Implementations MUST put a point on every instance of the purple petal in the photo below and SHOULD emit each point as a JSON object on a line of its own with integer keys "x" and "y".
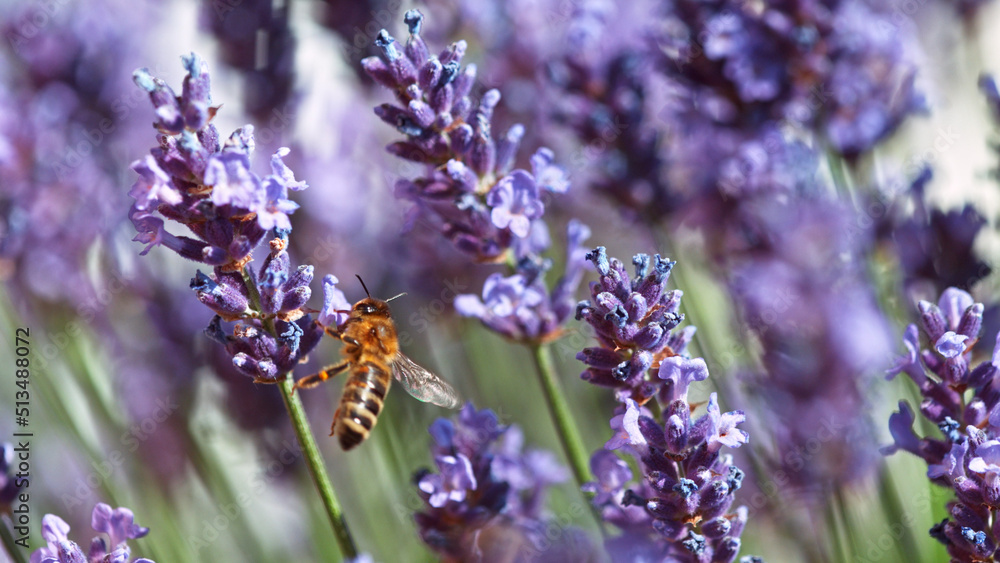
{"x": 724, "y": 429}
{"x": 953, "y": 303}
{"x": 901, "y": 428}
{"x": 54, "y": 528}
{"x": 952, "y": 465}
{"x": 119, "y": 524}
{"x": 469, "y": 305}
{"x": 336, "y": 308}
{"x": 951, "y": 344}
{"x": 682, "y": 372}
{"x": 153, "y": 186}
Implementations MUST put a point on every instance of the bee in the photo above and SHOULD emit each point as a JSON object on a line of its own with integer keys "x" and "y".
{"x": 372, "y": 353}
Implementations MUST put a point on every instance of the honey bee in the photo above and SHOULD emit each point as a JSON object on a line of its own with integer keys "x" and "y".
{"x": 372, "y": 352}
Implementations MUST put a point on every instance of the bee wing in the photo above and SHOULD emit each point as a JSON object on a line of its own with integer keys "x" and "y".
{"x": 422, "y": 384}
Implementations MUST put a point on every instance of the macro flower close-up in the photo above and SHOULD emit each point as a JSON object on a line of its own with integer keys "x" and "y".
{"x": 704, "y": 281}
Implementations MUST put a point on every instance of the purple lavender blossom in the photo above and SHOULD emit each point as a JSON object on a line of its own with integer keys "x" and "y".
{"x": 520, "y": 306}
{"x": 228, "y": 207}
{"x": 842, "y": 70}
{"x": 283, "y": 293}
{"x": 486, "y": 500}
{"x": 603, "y": 86}
{"x": 962, "y": 402}
{"x": 681, "y": 509}
{"x": 634, "y": 320}
{"x": 117, "y": 524}
{"x": 936, "y": 248}
{"x": 801, "y": 290}
{"x": 470, "y": 192}
{"x": 719, "y": 79}
{"x": 208, "y": 187}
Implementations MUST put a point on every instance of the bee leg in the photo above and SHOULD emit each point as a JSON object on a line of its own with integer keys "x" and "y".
{"x": 331, "y": 331}
{"x": 326, "y": 373}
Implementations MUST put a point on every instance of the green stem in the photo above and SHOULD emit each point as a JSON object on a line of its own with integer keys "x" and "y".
{"x": 8, "y": 542}
{"x": 317, "y": 469}
{"x": 569, "y": 436}
{"x": 300, "y": 424}
{"x": 561, "y": 417}
{"x": 895, "y": 512}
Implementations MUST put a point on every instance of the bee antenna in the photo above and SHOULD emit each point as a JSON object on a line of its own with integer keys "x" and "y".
{"x": 363, "y": 285}
{"x": 394, "y": 297}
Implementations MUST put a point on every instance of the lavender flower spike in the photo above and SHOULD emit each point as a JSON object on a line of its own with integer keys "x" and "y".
{"x": 469, "y": 190}
{"x": 962, "y": 402}
{"x": 634, "y": 318}
{"x": 117, "y": 524}
{"x": 682, "y": 508}
{"x": 485, "y": 501}
{"x": 520, "y": 306}
{"x": 208, "y": 187}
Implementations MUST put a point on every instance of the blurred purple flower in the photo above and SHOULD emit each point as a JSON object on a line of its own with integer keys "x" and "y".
{"x": 843, "y": 70}
{"x": 486, "y": 499}
{"x": 520, "y": 306}
{"x": 936, "y": 248}
{"x": 256, "y": 39}
{"x": 63, "y": 136}
{"x": 117, "y": 523}
{"x": 803, "y": 294}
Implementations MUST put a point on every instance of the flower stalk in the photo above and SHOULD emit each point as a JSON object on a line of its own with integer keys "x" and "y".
{"x": 303, "y": 433}
{"x": 569, "y": 435}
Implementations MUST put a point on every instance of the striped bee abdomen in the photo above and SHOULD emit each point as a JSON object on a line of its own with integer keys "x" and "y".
{"x": 363, "y": 397}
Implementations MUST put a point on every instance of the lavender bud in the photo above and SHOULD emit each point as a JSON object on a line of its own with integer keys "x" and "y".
{"x": 715, "y": 529}
{"x": 695, "y": 544}
{"x": 387, "y": 44}
{"x": 224, "y": 299}
{"x": 972, "y": 322}
{"x": 422, "y": 113}
{"x": 931, "y": 320}
{"x": 727, "y": 551}
{"x": 507, "y": 149}
{"x": 461, "y": 139}
{"x": 430, "y": 74}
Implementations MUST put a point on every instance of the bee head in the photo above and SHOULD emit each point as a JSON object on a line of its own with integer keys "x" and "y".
{"x": 371, "y": 307}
